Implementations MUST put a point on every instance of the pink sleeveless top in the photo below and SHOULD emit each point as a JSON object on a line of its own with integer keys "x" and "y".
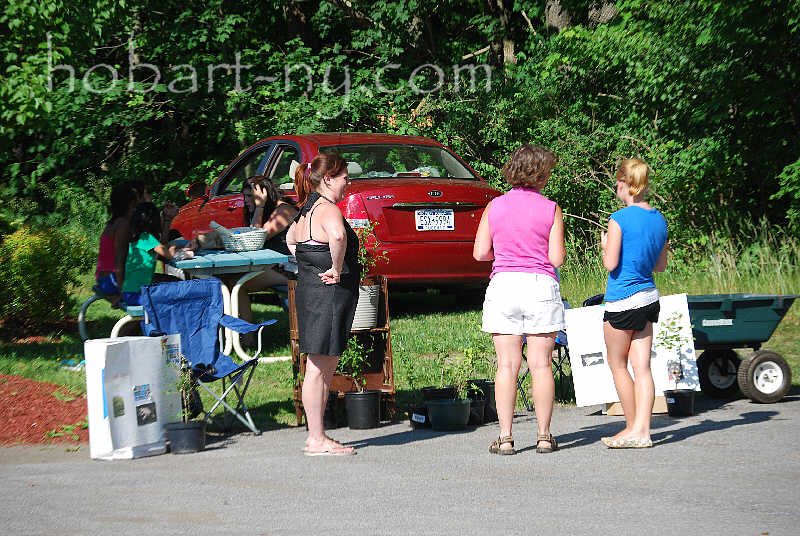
{"x": 520, "y": 222}
{"x": 105, "y": 255}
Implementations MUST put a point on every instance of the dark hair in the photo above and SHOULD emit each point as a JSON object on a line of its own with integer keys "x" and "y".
{"x": 138, "y": 187}
{"x": 122, "y": 195}
{"x": 146, "y": 219}
{"x": 307, "y": 178}
{"x": 529, "y": 166}
{"x": 273, "y": 196}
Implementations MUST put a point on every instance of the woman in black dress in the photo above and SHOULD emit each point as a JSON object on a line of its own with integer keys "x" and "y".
{"x": 327, "y": 286}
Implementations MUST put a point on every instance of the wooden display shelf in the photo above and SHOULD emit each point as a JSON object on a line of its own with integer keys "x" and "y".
{"x": 380, "y": 374}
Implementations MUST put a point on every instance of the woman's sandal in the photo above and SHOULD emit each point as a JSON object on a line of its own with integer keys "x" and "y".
{"x": 494, "y": 448}
{"x": 550, "y": 439}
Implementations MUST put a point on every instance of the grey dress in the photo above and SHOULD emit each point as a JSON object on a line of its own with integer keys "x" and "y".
{"x": 325, "y": 312}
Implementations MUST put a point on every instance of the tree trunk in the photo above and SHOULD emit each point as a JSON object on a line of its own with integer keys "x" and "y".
{"x": 502, "y": 46}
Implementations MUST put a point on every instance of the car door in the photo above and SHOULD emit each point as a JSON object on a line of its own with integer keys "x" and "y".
{"x": 226, "y": 204}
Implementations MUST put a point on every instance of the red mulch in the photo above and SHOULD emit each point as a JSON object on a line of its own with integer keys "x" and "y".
{"x": 29, "y": 410}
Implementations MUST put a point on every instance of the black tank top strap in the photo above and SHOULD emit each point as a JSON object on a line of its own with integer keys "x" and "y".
{"x": 309, "y": 208}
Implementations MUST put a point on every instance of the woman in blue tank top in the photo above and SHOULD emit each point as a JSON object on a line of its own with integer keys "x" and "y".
{"x": 634, "y": 247}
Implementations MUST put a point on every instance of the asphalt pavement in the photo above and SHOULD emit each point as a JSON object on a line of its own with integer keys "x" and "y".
{"x": 731, "y": 469}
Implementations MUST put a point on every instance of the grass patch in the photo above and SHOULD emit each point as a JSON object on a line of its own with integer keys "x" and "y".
{"x": 425, "y": 324}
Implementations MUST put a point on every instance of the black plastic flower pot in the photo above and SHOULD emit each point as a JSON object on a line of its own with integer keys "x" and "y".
{"x": 476, "y": 411}
{"x": 447, "y": 415}
{"x": 490, "y": 412}
{"x": 330, "y": 418}
{"x": 186, "y": 437}
{"x": 680, "y": 402}
{"x": 363, "y": 409}
{"x": 438, "y": 393}
{"x": 418, "y": 416}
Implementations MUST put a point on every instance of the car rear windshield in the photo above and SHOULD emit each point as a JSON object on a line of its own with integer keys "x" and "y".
{"x": 375, "y": 160}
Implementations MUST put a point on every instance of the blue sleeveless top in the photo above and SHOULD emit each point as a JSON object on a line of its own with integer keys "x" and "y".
{"x": 644, "y": 233}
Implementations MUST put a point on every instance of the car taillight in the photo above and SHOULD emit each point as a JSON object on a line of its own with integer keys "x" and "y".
{"x": 355, "y": 212}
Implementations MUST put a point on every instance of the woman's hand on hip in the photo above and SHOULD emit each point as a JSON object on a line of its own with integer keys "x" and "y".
{"x": 329, "y": 277}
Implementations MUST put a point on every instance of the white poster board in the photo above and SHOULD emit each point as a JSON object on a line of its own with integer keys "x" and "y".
{"x": 131, "y": 394}
{"x": 588, "y": 360}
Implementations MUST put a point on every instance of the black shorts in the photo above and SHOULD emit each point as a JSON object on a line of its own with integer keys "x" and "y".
{"x": 633, "y": 319}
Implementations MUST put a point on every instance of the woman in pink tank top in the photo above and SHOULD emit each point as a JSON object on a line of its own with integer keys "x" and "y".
{"x": 523, "y": 233}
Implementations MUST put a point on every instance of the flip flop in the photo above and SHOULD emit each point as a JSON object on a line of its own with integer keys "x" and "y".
{"x": 335, "y": 451}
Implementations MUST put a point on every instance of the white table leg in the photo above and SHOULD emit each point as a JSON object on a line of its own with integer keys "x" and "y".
{"x": 237, "y": 345}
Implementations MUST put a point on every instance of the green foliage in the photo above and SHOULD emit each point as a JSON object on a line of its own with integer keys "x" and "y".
{"x": 705, "y": 91}
{"x": 354, "y": 361}
{"x": 370, "y": 252}
{"x": 37, "y": 271}
{"x": 457, "y": 370}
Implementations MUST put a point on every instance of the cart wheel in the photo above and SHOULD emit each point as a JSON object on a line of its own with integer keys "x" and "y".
{"x": 717, "y": 369}
{"x": 765, "y": 377}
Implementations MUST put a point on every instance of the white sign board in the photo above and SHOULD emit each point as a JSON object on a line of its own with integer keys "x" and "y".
{"x": 131, "y": 394}
{"x": 587, "y": 352}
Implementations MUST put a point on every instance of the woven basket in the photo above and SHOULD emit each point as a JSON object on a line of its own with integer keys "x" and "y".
{"x": 244, "y": 239}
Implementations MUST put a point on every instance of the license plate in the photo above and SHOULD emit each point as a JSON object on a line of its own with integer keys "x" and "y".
{"x": 435, "y": 219}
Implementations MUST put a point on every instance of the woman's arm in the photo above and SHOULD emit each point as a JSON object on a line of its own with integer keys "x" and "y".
{"x": 291, "y": 239}
{"x": 332, "y": 223}
{"x": 121, "y": 240}
{"x": 280, "y": 219}
{"x": 482, "y": 250}
{"x": 661, "y": 263}
{"x": 556, "y": 252}
{"x": 611, "y": 244}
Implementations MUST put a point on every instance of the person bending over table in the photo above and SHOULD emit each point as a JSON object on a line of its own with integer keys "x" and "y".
{"x": 634, "y": 247}
{"x": 326, "y": 248}
{"x": 523, "y": 233}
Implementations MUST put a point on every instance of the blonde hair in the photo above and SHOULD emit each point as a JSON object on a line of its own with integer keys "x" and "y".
{"x": 635, "y": 172}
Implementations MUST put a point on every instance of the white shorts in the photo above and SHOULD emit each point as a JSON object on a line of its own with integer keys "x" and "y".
{"x": 519, "y": 303}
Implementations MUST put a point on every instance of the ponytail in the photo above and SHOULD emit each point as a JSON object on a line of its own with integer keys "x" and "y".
{"x": 308, "y": 176}
{"x": 302, "y": 182}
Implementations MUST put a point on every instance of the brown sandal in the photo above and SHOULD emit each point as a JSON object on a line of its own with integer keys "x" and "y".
{"x": 550, "y": 439}
{"x": 494, "y": 448}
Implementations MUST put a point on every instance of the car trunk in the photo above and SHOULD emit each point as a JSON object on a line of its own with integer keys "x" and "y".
{"x": 425, "y": 210}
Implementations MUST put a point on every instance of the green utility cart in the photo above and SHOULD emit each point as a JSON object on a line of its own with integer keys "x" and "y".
{"x": 722, "y": 322}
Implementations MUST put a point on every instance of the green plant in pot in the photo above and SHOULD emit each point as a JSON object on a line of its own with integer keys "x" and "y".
{"x": 680, "y": 402}
{"x": 370, "y": 253}
{"x": 417, "y": 410}
{"x": 189, "y": 435}
{"x": 363, "y": 406}
{"x": 456, "y": 371}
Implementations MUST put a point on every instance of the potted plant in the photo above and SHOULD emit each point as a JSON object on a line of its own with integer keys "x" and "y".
{"x": 370, "y": 252}
{"x": 189, "y": 435}
{"x": 456, "y": 373}
{"x": 363, "y": 405}
{"x": 417, "y": 410}
{"x": 680, "y": 402}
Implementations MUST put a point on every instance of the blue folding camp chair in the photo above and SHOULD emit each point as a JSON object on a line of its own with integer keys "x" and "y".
{"x": 194, "y": 309}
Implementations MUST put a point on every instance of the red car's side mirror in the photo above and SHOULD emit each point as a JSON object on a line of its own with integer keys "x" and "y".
{"x": 197, "y": 190}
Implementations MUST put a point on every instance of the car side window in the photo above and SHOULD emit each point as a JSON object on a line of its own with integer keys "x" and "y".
{"x": 282, "y": 164}
{"x": 246, "y": 167}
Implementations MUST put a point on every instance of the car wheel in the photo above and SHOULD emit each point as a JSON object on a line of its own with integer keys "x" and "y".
{"x": 718, "y": 373}
{"x": 765, "y": 377}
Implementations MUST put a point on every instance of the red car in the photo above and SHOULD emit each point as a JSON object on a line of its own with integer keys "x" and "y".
{"x": 426, "y": 202}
